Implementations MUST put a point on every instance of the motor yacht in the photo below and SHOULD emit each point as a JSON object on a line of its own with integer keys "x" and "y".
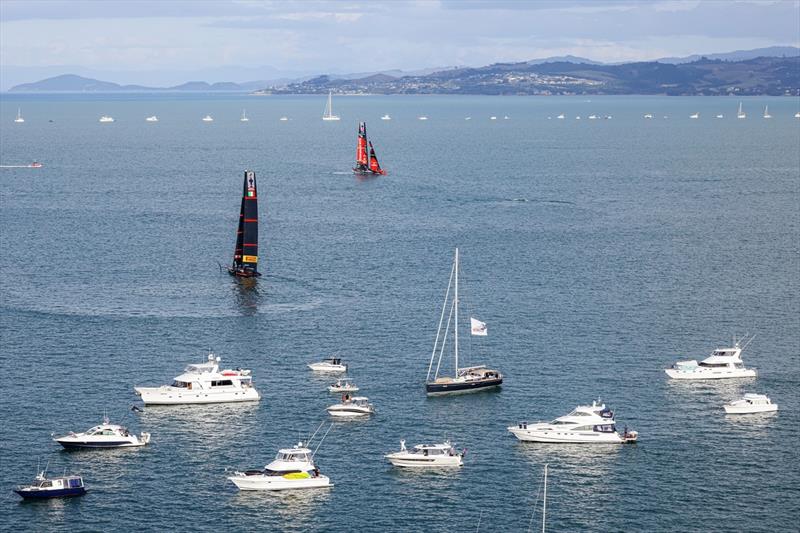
{"x": 422, "y": 117}
{"x": 283, "y": 119}
{"x": 57, "y": 487}
{"x": 592, "y": 117}
{"x": 561, "y": 116}
{"x": 586, "y": 424}
{"x": 720, "y": 115}
{"x": 694, "y": 115}
{"x": 351, "y": 407}
{"x": 648, "y": 115}
{"x": 721, "y": 364}
{"x": 208, "y": 118}
{"x": 293, "y": 468}
{"x": 203, "y": 383}
{"x": 106, "y": 118}
{"x": 331, "y": 364}
{"x": 343, "y": 385}
{"x": 749, "y": 404}
{"x": 105, "y": 435}
{"x": 152, "y": 118}
{"x": 386, "y": 117}
{"x": 442, "y": 455}
{"x": 493, "y": 117}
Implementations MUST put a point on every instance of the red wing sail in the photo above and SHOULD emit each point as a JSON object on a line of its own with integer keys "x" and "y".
{"x": 374, "y": 166}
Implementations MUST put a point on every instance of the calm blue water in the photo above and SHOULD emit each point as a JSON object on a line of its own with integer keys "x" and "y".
{"x": 598, "y": 252}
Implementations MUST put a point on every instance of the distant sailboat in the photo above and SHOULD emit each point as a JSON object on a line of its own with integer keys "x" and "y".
{"x": 740, "y": 113}
{"x": 366, "y": 160}
{"x": 19, "y": 119}
{"x": 766, "y": 112}
{"x": 245, "y": 255}
{"x": 244, "y": 117}
{"x": 328, "y": 115}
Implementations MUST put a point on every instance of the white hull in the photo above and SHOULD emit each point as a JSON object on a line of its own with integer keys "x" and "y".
{"x": 331, "y": 118}
{"x": 710, "y": 373}
{"x": 343, "y": 389}
{"x": 341, "y": 413}
{"x": 332, "y": 369}
{"x": 563, "y": 437}
{"x": 104, "y": 442}
{"x": 178, "y": 396}
{"x": 424, "y": 462}
{"x": 750, "y": 409}
{"x": 259, "y": 482}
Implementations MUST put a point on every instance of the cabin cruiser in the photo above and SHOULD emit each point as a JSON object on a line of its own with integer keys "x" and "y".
{"x": 105, "y": 435}
{"x": 586, "y": 424}
{"x": 208, "y": 118}
{"x": 751, "y": 403}
{"x": 694, "y": 115}
{"x": 722, "y": 363}
{"x": 648, "y": 115}
{"x": 203, "y": 383}
{"x": 422, "y": 117}
{"x": 351, "y": 407}
{"x": 106, "y": 118}
{"x": 331, "y": 364}
{"x": 386, "y": 117}
{"x": 427, "y": 456}
{"x": 293, "y": 468}
{"x": 57, "y": 487}
{"x": 343, "y": 385}
{"x": 152, "y": 118}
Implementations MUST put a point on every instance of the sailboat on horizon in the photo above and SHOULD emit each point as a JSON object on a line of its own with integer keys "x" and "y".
{"x": 328, "y": 115}
{"x": 469, "y": 379}
{"x": 245, "y": 255}
{"x": 766, "y": 112}
{"x": 740, "y": 113}
{"x": 19, "y": 119}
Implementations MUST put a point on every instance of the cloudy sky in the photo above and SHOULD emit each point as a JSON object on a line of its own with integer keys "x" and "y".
{"x": 170, "y": 41}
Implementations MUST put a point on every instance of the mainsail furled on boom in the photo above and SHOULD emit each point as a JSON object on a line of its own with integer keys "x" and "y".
{"x": 245, "y": 255}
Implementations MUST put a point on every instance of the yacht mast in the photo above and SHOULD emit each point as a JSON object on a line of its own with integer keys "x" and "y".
{"x": 544, "y": 499}
{"x": 455, "y": 303}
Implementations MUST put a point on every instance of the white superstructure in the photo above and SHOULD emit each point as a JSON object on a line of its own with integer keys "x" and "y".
{"x": 587, "y": 424}
{"x": 293, "y": 468}
{"x": 442, "y": 455}
{"x": 722, "y": 363}
{"x": 343, "y": 385}
{"x": 351, "y": 407}
{"x": 105, "y": 435}
{"x": 203, "y": 383}
{"x": 751, "y": 403}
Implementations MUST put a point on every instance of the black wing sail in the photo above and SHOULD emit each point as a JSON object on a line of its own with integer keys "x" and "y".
{"x": 245, "y": 256}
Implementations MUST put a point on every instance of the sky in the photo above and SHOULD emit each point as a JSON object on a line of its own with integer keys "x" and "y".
{"x": 166, "y": 42}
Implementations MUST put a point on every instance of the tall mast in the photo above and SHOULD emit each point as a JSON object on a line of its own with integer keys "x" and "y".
{"x": 544, "y": 499}
{"x": 455, "y": 303}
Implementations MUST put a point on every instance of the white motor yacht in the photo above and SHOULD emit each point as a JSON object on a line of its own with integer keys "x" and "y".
{"x": 592, "y": 117}
{"x": 561, "y": 116}
{"x": 586, "y": 424}
{"x": 293, "y": 468}
{"x": 720, "y": 115}
{"x": 386, "y": 117}
{"x": 427, "y": 456}
{"x": 422, "y": 117}
{"x": 152, "y": 118}
{"x": 351, "y": 407}
{"x": 722, "y": 363}
{"x": 331, "y": 364}
{"x": 694, "y": 115}
{"x": 203, "y": 383}
{"x": 648, "y": 115}
{"x": 106, "y": 118}
{"x": 343, "y": 385}
{"x": 751, "y": 403}
{"x": 106, "y": 435}
{"x": 283, "y": 119}
{"x": 208, "y": 118}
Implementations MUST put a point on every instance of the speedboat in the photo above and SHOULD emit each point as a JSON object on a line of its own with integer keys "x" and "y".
{"x": 749, "y": 404}
{"x": 203, "y": 383}
{"x": 152, "y": 118}
{"x": 423, "y": 117}
{"x": 283, "y": 119}
{"x": 586, "y": 424}
{"x": 57, "y": 487}
{"x": 427, "y": 456}
{"x": 386, "y": 117}
{"x": 722, "y": 363}
{"x": 106, "y": 118}
{"x": 343, "y": 385}
{"x": 720, "y": 116}
{"x": 208, "y": 118}
{"x": 293, "y": 468}
{"x": 331, "y": 364}
{"x": 35, "y": 164}
{"x": 694, "y": 115}
{"x": 105, "y": 435}
{"x": 351, "y": 407}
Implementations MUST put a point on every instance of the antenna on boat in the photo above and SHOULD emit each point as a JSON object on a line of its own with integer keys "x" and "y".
{"x": 322, "y": 440}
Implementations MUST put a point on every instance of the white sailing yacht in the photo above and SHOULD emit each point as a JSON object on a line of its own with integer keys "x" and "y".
{"x": 244, "y": 117}
{"x": 328, "y": 115}
{"x": 740, "y": 113}
{"x": 19, "y": 118}
{"x": 470, "y": 379}
{"x": 766, "y": 112}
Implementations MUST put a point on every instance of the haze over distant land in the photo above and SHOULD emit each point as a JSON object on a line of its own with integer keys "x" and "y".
{"x": 166, "y": 43}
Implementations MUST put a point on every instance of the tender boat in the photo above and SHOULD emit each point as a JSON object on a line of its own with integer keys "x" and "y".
{"x": 386, "y": 117}
{"x": 57, "y": 487}
{"x": 351, "y": 407}
{"x": 328, "y": 114}
{"x": 751, "y": 403}
{"x": 19, "y": 119}
{"x": 469, "y": 379}
{"x": 343, "y": 385}
{"x": 721, "y": 364}
{"x": 152, "y": 118}
{"x": 208, "y": 118}
{"x": 442, "y": 455}
{"x": 293, "y": 468}
{"x": 366, "y": 161}
{"x": 586, "y": 424}
{"x": 331, "y": 364}
{"x": 106, "y": 435}
{"x": 203, "y": 383}
{"x": 245, "y": 253}
{"x": 106, "y": 118}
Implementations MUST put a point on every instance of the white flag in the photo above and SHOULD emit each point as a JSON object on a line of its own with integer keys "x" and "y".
{"x": 478, "y": 327}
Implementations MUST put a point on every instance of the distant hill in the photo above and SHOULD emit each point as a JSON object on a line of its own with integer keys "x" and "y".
{"x": 738, "y": 55}
{"x": 73, "y": 83}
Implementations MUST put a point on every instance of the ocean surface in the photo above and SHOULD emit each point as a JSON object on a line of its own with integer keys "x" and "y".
{"x": 598, "y": 252}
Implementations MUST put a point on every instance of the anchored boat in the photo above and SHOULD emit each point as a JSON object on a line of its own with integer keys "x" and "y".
{"x": 57, "y": 487}
{"x": 721, "y": 364}
{"x": 427, "y": 456}
{"x": 366, "y": 160}
{"x": 105, "y": 435}
{"x": 328, "y": 114}
{"x": 750, "y": 404}
{"x": 245, "y": 255}
{"x": 586, "y": 424}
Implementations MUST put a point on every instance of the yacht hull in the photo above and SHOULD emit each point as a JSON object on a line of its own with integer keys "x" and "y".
{"x": 348, "y": 413}
{"x": 405, "y": 461}
{"x": 77, "y": 444}
{"x": 750, "y": 409}
{"x": 58, "y": 493}
{"x": 560, "y": 437}
{"x": 710, "y": 374}
{"x": 178, "y": 396}
{"x": 461, "y": 387}
{"x": 274, "y": 483}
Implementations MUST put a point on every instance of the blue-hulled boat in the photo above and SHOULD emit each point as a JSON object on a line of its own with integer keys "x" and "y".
{"x": 58, "y": 487}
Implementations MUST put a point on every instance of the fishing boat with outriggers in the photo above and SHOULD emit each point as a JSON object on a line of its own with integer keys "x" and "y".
{"x": 366, "y": 160}
{"x": 469, "y": 379}
{"x": 245, "y": 255}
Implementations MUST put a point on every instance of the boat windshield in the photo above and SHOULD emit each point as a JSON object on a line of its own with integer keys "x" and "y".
{"x": 180, "y": 384}
{"x": 292, "y": 457}
{"x": 579, "y": 413}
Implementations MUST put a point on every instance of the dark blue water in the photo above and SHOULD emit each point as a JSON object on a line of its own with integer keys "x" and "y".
{"x": 598, "y": 252}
